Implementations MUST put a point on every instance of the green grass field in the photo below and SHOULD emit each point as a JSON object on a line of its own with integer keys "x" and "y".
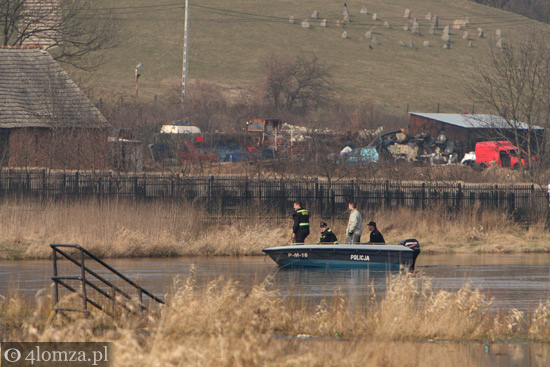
{"x": 228, "y": 38}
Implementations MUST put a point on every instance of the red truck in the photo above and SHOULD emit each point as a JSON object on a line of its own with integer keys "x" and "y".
{"x": 504, "y": 153}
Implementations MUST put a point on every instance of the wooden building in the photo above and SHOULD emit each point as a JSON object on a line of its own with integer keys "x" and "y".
{"x": 470, "y": 129}
{"x": 45, "y": 119}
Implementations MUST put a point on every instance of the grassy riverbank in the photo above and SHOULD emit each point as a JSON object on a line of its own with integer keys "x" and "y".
{"x": 126, "y": 229}
{"x": 223, "y": 325}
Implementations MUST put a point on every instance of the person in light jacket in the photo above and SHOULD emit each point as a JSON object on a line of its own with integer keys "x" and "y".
{"x": 355, "y": 224}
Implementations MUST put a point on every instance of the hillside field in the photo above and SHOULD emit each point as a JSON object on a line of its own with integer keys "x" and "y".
{"x": 229, "y": 38}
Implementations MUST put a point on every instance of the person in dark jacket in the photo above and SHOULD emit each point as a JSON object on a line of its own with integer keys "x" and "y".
{"x": 375, "y": 236}
{"x": 327, "y": 236}
{"x": 300, "y": 229}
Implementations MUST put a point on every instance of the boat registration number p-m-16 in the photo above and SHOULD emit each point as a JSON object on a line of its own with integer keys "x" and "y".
{"x": 297, "y": 254}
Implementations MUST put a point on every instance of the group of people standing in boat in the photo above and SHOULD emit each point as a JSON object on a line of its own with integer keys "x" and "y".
{"x": 300, "y": 229}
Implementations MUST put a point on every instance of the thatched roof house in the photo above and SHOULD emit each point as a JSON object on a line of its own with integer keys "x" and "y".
{"x": 45, "y": 119}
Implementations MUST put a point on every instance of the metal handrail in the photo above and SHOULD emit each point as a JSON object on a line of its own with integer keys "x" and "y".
{"x": 60, "y": 280}
{"x": 68, "y": 257}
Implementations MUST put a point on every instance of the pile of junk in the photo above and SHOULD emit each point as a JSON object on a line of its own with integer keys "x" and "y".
{"x": 420, "y": 149}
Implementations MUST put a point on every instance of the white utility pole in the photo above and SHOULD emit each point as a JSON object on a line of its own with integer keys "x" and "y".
{"x": 185, "y": 52}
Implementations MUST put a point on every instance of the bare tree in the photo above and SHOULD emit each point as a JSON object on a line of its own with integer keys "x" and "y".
{"x": 75, "y": 136}
{"x": 23, "y": 141}
{"x": 70, "y": 29}
{"x": 298, "y": 84}
{"x": 515, "y": 85}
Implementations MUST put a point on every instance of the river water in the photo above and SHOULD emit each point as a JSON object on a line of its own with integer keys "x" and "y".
{"x": 513, "y": 281}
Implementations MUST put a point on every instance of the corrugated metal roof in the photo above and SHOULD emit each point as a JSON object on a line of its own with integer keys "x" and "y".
{"x": 476, "y": 121}
{"x": 36, "y": 92}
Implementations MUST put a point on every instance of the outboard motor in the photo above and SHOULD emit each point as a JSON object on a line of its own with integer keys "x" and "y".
{"x": 413, "y": 245}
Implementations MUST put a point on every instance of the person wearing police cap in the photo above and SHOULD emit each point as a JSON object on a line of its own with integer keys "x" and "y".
{"x": 327, "y": 236}
{"x": 375, "y": 235}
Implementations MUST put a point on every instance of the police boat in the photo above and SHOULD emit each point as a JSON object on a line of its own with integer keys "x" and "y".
{"x": 361, "y": 255}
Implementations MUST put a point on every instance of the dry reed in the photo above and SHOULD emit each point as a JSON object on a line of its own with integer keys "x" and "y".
{"x": 137, "y": 229}
{"x": 224, "y": 325}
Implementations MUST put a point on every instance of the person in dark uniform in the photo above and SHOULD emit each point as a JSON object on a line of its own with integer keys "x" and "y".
{"x": 327, "y": 236}
{"x": 300, "y": 229}
{"x": 375, "y": 235}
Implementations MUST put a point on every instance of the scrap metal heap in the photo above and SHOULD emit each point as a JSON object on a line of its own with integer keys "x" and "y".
{"x": 421, "y": 148}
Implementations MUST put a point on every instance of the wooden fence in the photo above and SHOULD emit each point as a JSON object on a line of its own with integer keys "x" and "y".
{"x": 228, "y": 195}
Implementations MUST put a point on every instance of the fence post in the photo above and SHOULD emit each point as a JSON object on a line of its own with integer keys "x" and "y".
{"x": 246, "y": 191}
{"x": 318, "y": 198}
{"x": 56, "y": 284}
{"x": 28, "y": 183}
{"x": 458, "y": 196}
{"x": 423, "y": 196}
{"x": 387, "y": 195}
{"x": 77, "y": 183}
{"x": 9, "y": 180}
{"x": 332, "y": 205}
{"x": 113, "y": 299}
{"x": 210, "y": 186}
{"x": 533, "y": 210}
{"x": 282, "y": 197}
{"x": 145, "y": 187}
{"x": 172, "y": 187}
{"x": 135, "y": 186}
{"x": 511, "y": 202}
{"x": 83, "y": 278}
{"x": 495, "y": 197}
{"x": 180, "y": 189}
{"x": 259, "y": 191}
{"x": 44, "y": 186}
{"x": 140, "y": 296}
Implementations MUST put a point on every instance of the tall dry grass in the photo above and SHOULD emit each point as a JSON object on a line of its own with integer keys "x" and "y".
{"x": 475, "y": 230}
{"x": 138, "y": 229}
{"x": 126, "y": 229}
{"x": 225, "y": 325}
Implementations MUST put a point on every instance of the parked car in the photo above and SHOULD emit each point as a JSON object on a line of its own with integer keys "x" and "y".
{"x": 180, "y": 127}
{"x": 469, "y": 159}
{"x": 181, "y": 147}
{"x": 361, "y": 155}
{"x": 196, "y": 153}
{"x": 231, "y": 152}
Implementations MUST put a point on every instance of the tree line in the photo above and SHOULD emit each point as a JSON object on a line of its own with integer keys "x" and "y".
{"x": 534, "y": 9}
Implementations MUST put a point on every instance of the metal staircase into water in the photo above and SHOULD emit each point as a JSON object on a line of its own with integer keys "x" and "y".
{"x": 91, "y": 279}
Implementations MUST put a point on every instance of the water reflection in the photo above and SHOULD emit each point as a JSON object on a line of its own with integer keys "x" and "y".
{"x": 514, "y": 281}
{"x": 431, "y": 354}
